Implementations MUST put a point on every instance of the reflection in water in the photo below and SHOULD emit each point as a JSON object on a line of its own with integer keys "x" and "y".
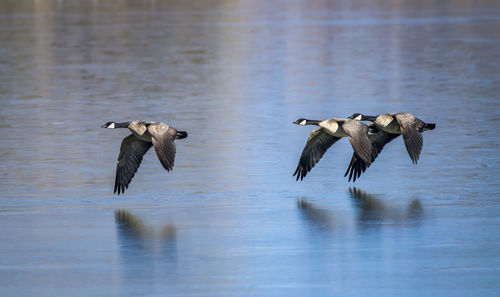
{"x": 146, "y": 254}
{"x": 372, "y": 209}
{"x": 316, "y": 217}
{"x": 132, "y": 231}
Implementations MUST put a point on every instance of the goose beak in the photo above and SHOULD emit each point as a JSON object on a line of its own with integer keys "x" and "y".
{"x": 295, "y": 122}
{"x": 103, "y": 126}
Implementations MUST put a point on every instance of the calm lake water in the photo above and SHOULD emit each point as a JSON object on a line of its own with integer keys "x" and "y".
{"x": 230, "y": 220}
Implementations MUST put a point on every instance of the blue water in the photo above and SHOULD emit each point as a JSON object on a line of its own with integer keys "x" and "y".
{"x": 230, "y": 220}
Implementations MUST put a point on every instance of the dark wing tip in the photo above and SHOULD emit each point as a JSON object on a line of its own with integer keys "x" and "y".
{"x": 356, "y": 167}
{"x": 300, "y": 172}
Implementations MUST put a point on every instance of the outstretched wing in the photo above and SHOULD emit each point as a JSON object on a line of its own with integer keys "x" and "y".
{"x": 163, "y": 140}
{"x": 378, "y": 138}
{"x": 357, "y": 133}
{"x": 411, "y": 128}
{"x": 131, "y": 152}
{"x": 317, "y": 144}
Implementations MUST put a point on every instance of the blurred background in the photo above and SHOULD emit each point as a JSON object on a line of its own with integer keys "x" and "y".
{"x": 230, "y": 220}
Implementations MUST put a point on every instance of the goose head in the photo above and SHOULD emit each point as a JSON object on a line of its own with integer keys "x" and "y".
{"x": 304, "y": 122}
{"x": 357, "y": 117}
{"x": 301, "y": 122}
{"x": 109, "y": 125}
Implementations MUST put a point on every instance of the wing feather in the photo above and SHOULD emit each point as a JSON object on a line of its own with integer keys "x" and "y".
{"x": 163, "y": 141}
{"x": 318, "y": 143}
{"x": 378, "y": 139}
{"x": 131, "y": 152}
{"x": 357, "y": 133}
{"x": 410, "y": 129}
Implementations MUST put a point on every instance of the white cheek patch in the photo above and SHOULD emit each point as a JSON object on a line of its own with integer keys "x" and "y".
{"x": 303, "y": 123}
{"x": 358, "y": 118}
{"x": 112, "y": 126}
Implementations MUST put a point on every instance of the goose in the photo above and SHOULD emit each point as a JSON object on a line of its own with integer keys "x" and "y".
{"x": 133, "y": 147}
{"x": 401, "y": 123}
{"x": 329, "y": 132}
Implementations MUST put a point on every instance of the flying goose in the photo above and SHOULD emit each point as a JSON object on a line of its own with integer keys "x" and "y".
{"x": 329, "y": 132}
{"x": 144, "y": 135}
{"x": 402, "y": 123}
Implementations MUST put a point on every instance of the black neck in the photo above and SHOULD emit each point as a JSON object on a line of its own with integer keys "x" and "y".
{"x": 368, "y": 118}
{"x": 312, "y": 122}
{"x": 122, "y": 125}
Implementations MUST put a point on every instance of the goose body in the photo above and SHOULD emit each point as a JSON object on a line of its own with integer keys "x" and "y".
{"x": 388, "y": 123}
{"x": 133, "y": 147}
{"x": 334, "y": 127}
{"x": 329, "y": 132}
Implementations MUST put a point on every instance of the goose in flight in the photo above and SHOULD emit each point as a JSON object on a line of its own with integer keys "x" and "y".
{"x": 329, "y": 132}
{"x": 386, "y": 127}
{"x": 133, "y": 147}
{"x": 402, "y": 123}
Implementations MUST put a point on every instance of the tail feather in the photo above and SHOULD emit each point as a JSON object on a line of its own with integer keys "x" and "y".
{"x": 429, "y": 126}
{"x": 181, "y": 135}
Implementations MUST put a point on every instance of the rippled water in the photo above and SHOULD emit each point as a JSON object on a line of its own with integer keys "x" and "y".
{"x": 230, "y": 220}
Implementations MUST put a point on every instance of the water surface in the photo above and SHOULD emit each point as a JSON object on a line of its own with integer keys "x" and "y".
{"x": 230, "y": 220}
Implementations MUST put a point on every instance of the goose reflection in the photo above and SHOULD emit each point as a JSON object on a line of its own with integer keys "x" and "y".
{"x": 371, "y": 209}
{"x": 146, "y": 253}
{"x": 316, "y": 217}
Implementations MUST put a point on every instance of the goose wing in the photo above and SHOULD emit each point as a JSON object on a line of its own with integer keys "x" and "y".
{"x": 129, "y": 160}
{"x": 317, "y": 144}
{"x": 378, "y": 139}
{"x": 163, "y": 137}
{"x": 410, "y": 129}
{"x": 357, "y": 133}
